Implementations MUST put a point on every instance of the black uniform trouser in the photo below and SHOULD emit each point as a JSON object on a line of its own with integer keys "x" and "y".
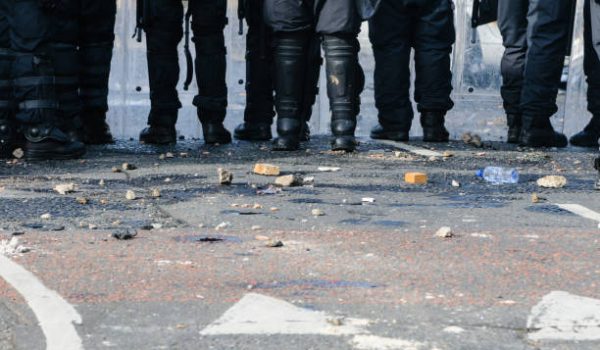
{"x": 394, "y": 30}
{"x": 591, "y": 64}
{"x": 546, "y": 26}
{"x": 164, "y": 32}
{"x": 6, "y": 56}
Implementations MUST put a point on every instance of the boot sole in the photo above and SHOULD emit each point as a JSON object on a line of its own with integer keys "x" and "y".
{"x": 347, "y": 144}
{"x": 286, "y": 145}
{"x": 392, "y": 136}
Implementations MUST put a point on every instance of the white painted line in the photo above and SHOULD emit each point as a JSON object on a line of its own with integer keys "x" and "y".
{"x": 412, "y": 149}
{"x": 581, "y": 211}
{"x": 564, "y": 316}
{"x": 55, "y": 316}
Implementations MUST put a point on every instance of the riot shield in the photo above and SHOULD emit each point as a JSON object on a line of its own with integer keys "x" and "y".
{"x": 576, "y": 114}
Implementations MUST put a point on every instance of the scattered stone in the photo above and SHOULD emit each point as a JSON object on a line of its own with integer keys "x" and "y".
{"x": 257, "y": 206}
{"x": 225, "y": 177}
{"x": 368, "y": 200}
{"x": 274, "y": 209}
{"x": 64, "y": 188}
{"x": 455, "y": 183}
{"x": 101, "y": 183}
{"x": 161, "y": 157}
{"x": 317, "y": 212}
{"x": 472, "y": 139}
{"x": 256, "y": 228}
{"x": 104, "y": 201}
{"x": 46, "y": 216}
{"x": 552, "y": 181}
{"x": 115, "y": 170}
{"x": 18, "y": 153}
{"x": 93, "y": 227}
{"x": 432, "y": 159}
{"x": 168, "y": 179}
{"x": 169, "y": 155}
{"x": 116, "y": 223}
{"x": 157, "y": 225}
{"x": 447, "y": 154}
{"x": 184, "y": 154}
{"x": 155, "y": 193}
{"x": 130, "y": 195}
{"x": 274, "y": 244}
{"x": 328, "y": 169}
{"x": 222, "y": 226}
{"x": 124, "y": 234}
{"x": 415, "y": 178}
{"x": 266, "y": 169}
{"x": 308, "y": 181}
{"x": 11, "y": 246}
{"x": 336, "y": 321}
{"x": 127, "y": 166}
{"x": 288, "y": 181}
{"x": 261, "y": 238}
{"x": 444, "y": 232}
{"x": 82, "y": 200}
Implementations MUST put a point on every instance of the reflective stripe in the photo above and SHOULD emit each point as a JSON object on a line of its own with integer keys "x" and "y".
{"x": 38, "y": 104}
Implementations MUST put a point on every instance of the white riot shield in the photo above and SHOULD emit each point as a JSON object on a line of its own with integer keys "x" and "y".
{"x": 576, "y": 114}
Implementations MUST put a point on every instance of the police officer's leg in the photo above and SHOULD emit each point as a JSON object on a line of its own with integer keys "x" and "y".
{"x": 589, "y": 136}
{"x": 547, "y": 37}
{"x": 209, "y": 18}
{"x": 96, "y": 40}
{"x": 311, "y": 83}
{"x": 390, "y": 32}
{"x": 34, "y": 85}
{"x": 7, "y": 124}
{"x": 339, "y": 24}
{"x": 433, "y": 40}
{"x": 66, "y": 67}
{"x": 512, "y": 21}
{"x": 164, "y": 31}
{"x": 259, "y": 112}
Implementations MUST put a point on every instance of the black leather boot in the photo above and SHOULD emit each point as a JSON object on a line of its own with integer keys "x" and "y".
{"x": 8, "y": 138}
{"x": 393, "y": 125}
{"x": 343, "y": 89}
{"x": 249, "y": 131}
{"x": 290, "y": 68}
{"x": 95, "y": 130}
{"x": 46, "y": 142}
{"x": 589, "y": 136}
{"x": 434, "y": 129}
{"x": 161, "y": 128}
{"x": 537, "y": 131}
{"x": 514, "y": 128}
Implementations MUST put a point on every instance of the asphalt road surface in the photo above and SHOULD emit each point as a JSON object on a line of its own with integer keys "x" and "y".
{"x": 359, "y": 265}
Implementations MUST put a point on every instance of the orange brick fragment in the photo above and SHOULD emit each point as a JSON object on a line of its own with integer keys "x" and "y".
{"x": 266, "y": 169}
{"x": 415, "y": 178}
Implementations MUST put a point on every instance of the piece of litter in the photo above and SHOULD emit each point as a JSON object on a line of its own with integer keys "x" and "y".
{"x": 46, "y": 216}
{"x": 270, "y": 190}
{"x": 308, "y": 181}
{"x": 65, "y": 188}
{"x": 552, "y": 181}
{"x": 266, "y": 169}
{"x": 328, "y": 169}
{"x": 455, "y": 183}
{"x": 222, "y": 226}
{"x": 444, "y": 232}
{"x": 130, "y": 195}
{"x": 18, "y": 153}
{"x": 368, "y": 200}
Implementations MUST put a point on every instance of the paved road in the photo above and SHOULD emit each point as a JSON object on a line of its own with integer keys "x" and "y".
{"x": 515, "y": 275}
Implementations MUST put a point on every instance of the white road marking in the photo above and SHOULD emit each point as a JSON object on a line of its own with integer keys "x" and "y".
{"x": 564, "y": 316}
{"x": 257, "y": 314}
{"x": 412, "y": 149}
{"x": 581, "y": 211}
{"x": 55, "y": 316}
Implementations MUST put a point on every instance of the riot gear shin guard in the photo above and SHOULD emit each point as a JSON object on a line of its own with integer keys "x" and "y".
{"x": 343, "y": 80}
{"x": 211, "y": 100}
{"x": 290, "y": 69}
{"x": 66, "y": 68}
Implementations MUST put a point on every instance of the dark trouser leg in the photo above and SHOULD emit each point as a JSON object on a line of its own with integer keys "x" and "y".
{"x": 164, "y": 31}
{"x": 96, "y": 41}
{"x": 208, "y": 21}
{"x": 7, "y": 123}
{"x": 433, "y": 40}
{"x": 259, "y": 112}
{"x": 512, "y": 21}
{"x": 34, "y": 89}
{"x": 311, "y": 83}
{"x": 290, "y": 68}
{"x": 589, "y": 136}
{"x": 66, "y": 67}
{"x": 341, "y": 62}
{"x": 547, "y": 36}
{"x": 390, "y": 32}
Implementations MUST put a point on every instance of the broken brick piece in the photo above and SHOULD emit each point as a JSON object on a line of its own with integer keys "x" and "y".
{"x": 266, "y": 169}
{"x": 415, "y": 178}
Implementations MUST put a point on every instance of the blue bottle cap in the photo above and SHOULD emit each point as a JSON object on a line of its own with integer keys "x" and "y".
{"x": 479, "y": 173}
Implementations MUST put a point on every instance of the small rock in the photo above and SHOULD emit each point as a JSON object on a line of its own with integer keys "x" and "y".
{"x": 18, "y": 153}
{"x": 155, "y": 193}
{"x": 92, "y": 227}
{"x": 447, "y": 154}
{"x": 288, "y": 181}
{"x": 455, "y": 183}
{"x": 161, "y": 157}
{"x": 46, "y": 216}
{"x": 157, "y": 225}
{"x": 116, "y": 223}
{"x": 225, "y": 177}
{"x": 115, "y": 170}
{"x": 256, "y": 228}
{"x": 101, "y": 183}
{"x": 127, "y": 166}
{"x": 368, "y": 200}
{"x": 274, "y": 209}
{"x": 432, "y": 159}
{"x": 124, "y": 234}
{"x": 257, "y": 206}
{"x": 472, "y": 139}
{"x": 222, "y": 226}
{"x": 552, "y": 181}
{"x": 64, "y": 188}
{"x": 130, "y": 195}
{"x": 169, "y": 155}
{"x": 104, "y": 201}
{"x": 415, "y": 178}
{"x": 82, "y": 200}
{"x": 184, "y": 154}
{"x": 444, "y": 232}
{"x": 336, "y": 321}
{"x": 317, "y": 212}
{"x": 168, "y": 179}
{"x": 266, "y": 169}
{"x": 274, "y": 244}
{"x": 308, "y": 181}
{"x": 328, "y": 169}
{"x": 261, "y": 238}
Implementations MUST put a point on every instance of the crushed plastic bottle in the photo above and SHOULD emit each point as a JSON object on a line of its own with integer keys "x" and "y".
{"x": 498, "y": 175}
